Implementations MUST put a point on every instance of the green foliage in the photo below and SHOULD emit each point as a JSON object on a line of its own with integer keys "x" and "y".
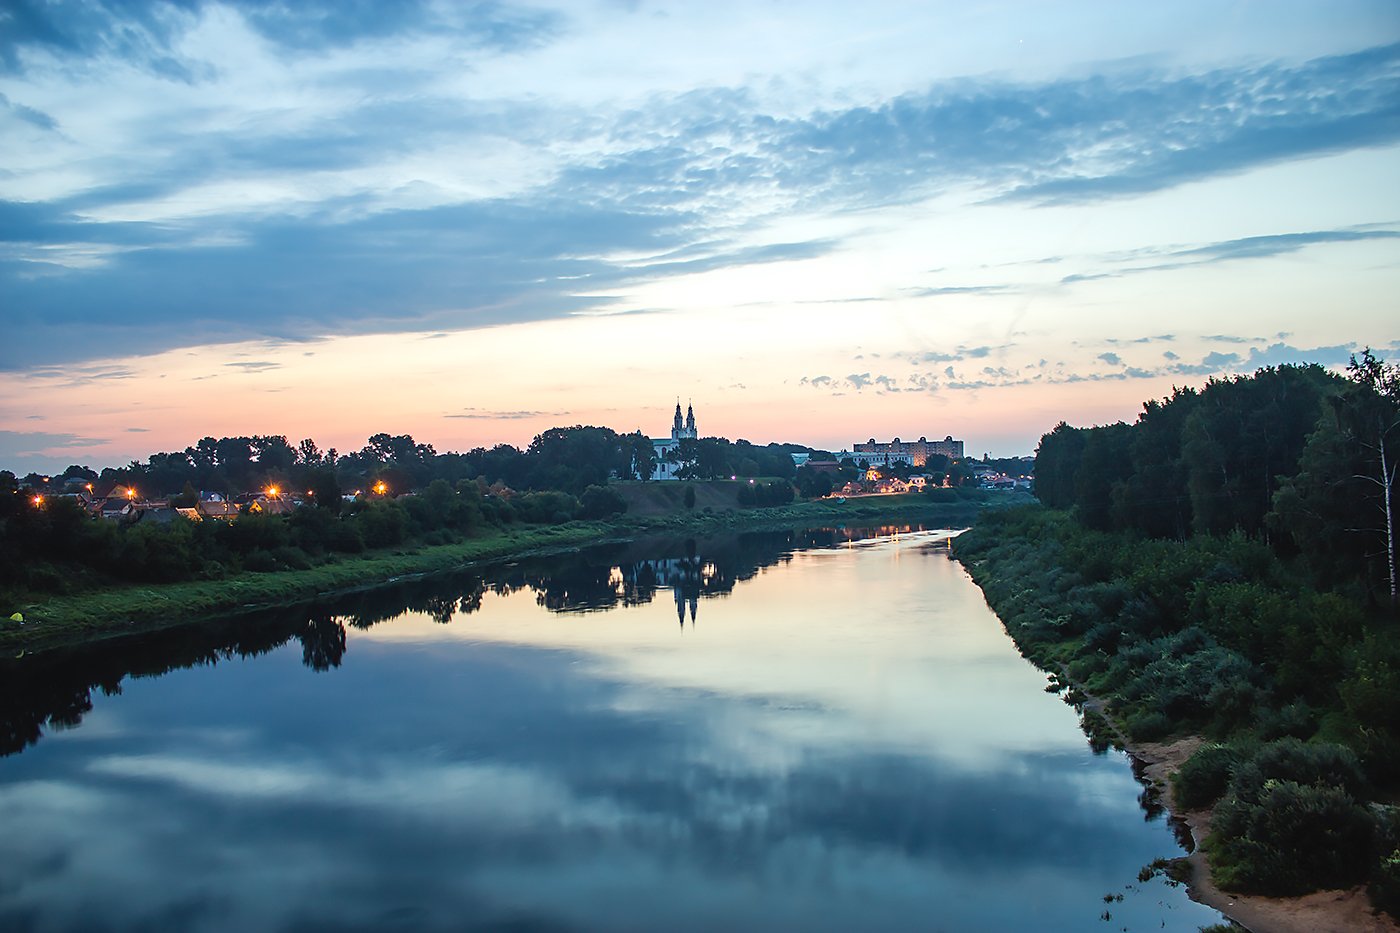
{"x": 601, "y": 502}
{"x": 1292, "y": 839}
{"x": 1314, "y": 764}
{"x": 1206, "y": 775}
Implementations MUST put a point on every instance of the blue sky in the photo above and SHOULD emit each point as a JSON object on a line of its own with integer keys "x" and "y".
{"x": 820, "y": 222}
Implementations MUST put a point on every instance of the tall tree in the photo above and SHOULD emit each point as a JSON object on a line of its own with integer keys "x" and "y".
{"x": 1056, "y": 461}
{"x": 1341, "y": 505}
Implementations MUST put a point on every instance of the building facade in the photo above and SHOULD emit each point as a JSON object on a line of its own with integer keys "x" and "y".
{"x": 914, "y": 453}
{"x": 664, "y": 466}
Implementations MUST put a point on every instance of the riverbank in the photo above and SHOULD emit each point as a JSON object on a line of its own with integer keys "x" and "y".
{"x": 1346, "y": 911}
{"x": 67, "y": 620}
{"x": 1116, "y": 624}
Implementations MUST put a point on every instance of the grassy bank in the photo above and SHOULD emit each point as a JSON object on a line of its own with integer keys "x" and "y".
{"x": 120, "y": 610}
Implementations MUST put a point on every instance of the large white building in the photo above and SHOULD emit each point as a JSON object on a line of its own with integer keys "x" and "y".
{"x": 664, "y": 448}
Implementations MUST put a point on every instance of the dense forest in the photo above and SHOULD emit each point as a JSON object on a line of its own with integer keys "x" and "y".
{"x": 1225, "y": 566}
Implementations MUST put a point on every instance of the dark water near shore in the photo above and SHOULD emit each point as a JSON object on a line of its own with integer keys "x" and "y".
{"x": 818, "y": 731}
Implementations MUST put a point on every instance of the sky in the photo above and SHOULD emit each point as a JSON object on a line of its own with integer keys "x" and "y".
{"x": 818, "y": 222}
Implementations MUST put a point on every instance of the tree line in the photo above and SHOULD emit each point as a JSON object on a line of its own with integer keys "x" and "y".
{"x": 1299, "y": 456}
{"x": 1224, "y": 567}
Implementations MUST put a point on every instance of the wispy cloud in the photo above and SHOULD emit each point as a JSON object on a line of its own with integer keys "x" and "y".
{"x": 504, "y": 415}
{"x": 20, "y": 443}
{"x": 699, "y": 180}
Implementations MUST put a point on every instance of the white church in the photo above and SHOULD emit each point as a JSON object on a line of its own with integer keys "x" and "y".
{"x": 664, "y": 447}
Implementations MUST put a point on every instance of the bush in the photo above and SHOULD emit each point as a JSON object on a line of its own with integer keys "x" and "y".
{"x": 1296, "y": 839}
{"x": 1149, "y": 727}
{"x": 1297, "y": 720}
{"x": 1316, "y": 765}
{"x": 601, "y": 502}
{"x": 1205, "y": 776}
{"x": 260, "y": 561}
{"x": 293, "y": 557}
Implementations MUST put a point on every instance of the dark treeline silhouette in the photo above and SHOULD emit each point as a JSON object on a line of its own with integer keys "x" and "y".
{"x": 352, "y": 502}
{"x": 1225, "y": 566}
{"x": 567, "y": 459}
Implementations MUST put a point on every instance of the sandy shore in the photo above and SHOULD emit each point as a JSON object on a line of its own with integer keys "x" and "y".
{"x": 1323, "y": 912}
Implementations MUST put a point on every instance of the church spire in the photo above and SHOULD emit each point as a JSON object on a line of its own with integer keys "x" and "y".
{"x": 677, "y": 426}
{"x": 689, "y": 419}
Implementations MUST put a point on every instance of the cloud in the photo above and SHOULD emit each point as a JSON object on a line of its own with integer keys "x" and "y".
{"x": 1279, "y": 354}
{"x": 28, "y": 114}
{"x": 688, "y": 178}
{"x": 1256, "y": 247}
{"x": 20, "y": 443}
{"x": 958, "y": 290}
{"x": 504, "y": 415}
{"x": 255, "y": 367}
{"x": 962, "y": 353}
{"x": 1110, "y": 358}
{"x": 147, "y": 35}
{"x": 859, "y": 380}
{"x": 1216, "y": 360}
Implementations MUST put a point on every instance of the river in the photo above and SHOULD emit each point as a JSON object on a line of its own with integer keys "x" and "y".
{"x": 826, "y": 730}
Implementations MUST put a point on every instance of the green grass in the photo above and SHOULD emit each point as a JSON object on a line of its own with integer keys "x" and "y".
{"x": 72, "y": 619}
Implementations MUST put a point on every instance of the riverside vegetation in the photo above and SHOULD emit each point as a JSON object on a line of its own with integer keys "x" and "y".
{"x": 1225, "y": 567}
{"x": 73, "y": 578}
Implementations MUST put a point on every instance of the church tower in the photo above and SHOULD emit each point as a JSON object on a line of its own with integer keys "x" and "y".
{"x": 677, "y": 428}
{"x": 689, "y": 420}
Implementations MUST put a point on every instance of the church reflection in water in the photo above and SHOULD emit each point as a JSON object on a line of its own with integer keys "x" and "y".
{"x": 55, "y": 689}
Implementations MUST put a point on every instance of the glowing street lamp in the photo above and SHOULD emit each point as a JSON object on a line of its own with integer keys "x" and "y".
{"x": 272, "y": 491}
{"x": 379, "y": 488}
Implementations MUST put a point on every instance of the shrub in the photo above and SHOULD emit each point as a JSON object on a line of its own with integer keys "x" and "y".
{"x": 293, "y": 557}
{"x": 1385, "y": 885}
{"x": 601, "y": 502}
{"x": 1296, "y": 839}
{"x": 1297, "y": 720}
{"x": 1150, "y": 726}
{"x": 1317, "y": 764}
{"x": 1205, "y": 776}
{"x": 260, "y": 561}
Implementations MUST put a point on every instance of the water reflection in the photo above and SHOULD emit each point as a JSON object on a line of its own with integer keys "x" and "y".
{"x": 55, "y": 689}
{"x": 846, "y": 742}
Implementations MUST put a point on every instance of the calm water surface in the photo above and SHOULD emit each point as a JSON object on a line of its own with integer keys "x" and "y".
{"x": 764, "y": 732}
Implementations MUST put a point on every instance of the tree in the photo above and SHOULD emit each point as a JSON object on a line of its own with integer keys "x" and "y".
{"x": 1056, "y": 461}
{"x": 1340, "y": 506}
{"x": 690, "y": 497}
{"x": 308, "y": 454}
{"x": 325, "y": 491}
